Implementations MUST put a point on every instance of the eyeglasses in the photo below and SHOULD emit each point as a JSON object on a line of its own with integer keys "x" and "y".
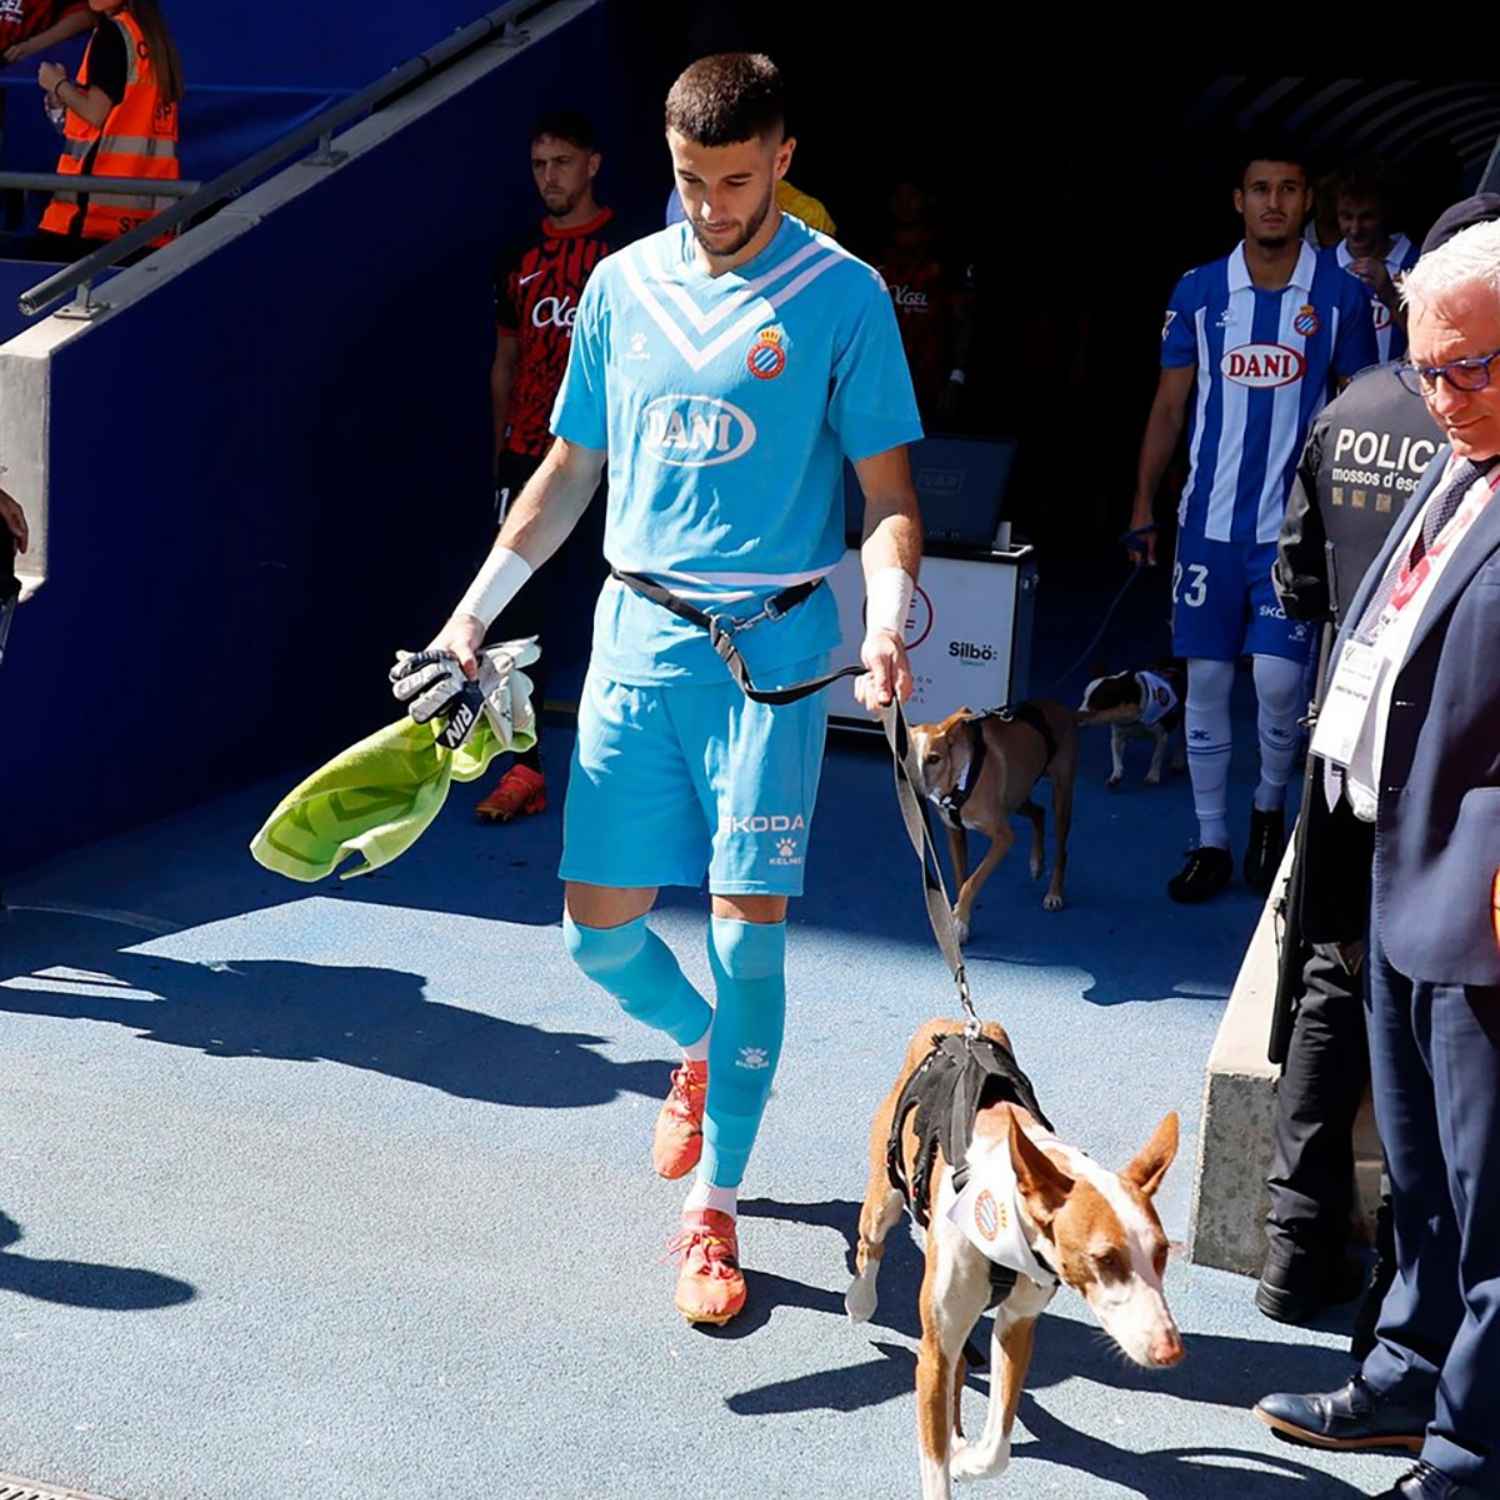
{"x": 1463, "y": 374}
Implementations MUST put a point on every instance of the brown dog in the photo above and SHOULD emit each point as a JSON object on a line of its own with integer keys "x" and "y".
{"x": 1034, "y": 1202}
{"x": 1012, "y": 754}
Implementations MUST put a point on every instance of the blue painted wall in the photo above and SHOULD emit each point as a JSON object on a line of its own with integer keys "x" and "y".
{"x": 274, "y": 472}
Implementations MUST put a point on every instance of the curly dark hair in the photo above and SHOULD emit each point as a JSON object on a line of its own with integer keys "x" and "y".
{"x": 728, "y": 98}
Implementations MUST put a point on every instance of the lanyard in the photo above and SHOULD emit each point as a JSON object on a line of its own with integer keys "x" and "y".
{"x": 1410, "y": 580}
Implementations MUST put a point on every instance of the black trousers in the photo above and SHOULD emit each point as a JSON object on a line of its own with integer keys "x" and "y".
{"x": 1327, "y": 1067}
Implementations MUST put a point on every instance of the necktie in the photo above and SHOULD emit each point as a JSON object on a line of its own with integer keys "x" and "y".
{"x": 1443, "y": 507}
{"x": 1440, "y": 511}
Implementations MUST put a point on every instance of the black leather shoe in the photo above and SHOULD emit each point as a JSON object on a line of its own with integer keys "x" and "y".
{"x": 1207, "y": 871}
{"x": 1267, "y": 844}
{"x": 1351, "y": 1417}
{"x": 1426, "y": 1483}
{"x": 1297, "y": 1284}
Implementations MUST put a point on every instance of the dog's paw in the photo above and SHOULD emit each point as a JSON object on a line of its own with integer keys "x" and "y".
{"x": 1153, "y": 778}
{"x": 1114, "y": 782}
{"x": 975, "y": 1461}
{"x": 1052, "y": 902}
{"x": 859, "y": 1300}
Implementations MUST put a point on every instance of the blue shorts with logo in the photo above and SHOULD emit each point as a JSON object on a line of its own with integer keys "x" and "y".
{"x": 678, "y": 780}
{"x": 1224, "y": 604}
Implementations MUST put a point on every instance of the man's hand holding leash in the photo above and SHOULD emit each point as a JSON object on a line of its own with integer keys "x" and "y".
{"x": 891, "y": 555}
{"x": 888, "y": 672}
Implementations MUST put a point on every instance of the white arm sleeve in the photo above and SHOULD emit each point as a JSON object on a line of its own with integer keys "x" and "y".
{"x": 887, "y": 600}
{"x": 495, "y": 585}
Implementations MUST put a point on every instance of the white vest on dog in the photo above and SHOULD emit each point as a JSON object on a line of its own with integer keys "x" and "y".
{"x": 990, "y": 1215}
{"x": 1158, "y": 698}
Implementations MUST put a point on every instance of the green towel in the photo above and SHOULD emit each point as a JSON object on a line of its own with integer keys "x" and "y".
{"x": 374, "y": 800}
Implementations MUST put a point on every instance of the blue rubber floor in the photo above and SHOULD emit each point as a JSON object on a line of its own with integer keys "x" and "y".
{"x": 344, "y": 1191}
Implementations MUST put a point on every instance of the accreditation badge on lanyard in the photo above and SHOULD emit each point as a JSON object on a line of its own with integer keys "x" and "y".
{"x": 1362, "y": 665}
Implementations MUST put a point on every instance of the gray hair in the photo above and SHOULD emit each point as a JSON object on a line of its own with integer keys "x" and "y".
{"x": 1471, "y": 259}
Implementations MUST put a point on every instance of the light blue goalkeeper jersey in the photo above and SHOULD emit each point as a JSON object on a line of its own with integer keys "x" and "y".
{"x": 728, "y": 405}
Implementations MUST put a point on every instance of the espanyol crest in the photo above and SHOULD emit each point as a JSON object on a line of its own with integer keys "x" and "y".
{"x": 766, "y": 358}
{"x": 1307, "y": 322}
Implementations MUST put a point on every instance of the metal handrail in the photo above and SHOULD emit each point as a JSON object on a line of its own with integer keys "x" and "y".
{"x": 319, "y": 130}
{"x": 56, "y": 182}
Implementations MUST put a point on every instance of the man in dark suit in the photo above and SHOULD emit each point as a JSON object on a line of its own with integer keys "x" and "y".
{"x": 1411, "y": 725}
{"x": 1365, "y": 455}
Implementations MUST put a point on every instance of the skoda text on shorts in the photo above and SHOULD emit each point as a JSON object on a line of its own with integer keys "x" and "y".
{"x": 725, "y": 368}
{"x": 1254, "y": 342}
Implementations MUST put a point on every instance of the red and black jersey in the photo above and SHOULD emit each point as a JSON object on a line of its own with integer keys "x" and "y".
{"x": 537, "y": 287}
{"x": 923, "y": 297}
{"x": 20, "y": 19}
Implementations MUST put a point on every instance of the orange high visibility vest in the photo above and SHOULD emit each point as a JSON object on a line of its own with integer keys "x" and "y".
{"x": 138, "y": 139}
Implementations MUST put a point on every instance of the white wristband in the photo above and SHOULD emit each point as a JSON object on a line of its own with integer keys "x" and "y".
{"x": 888, "y": 598}
{"x": 497, "y": 583}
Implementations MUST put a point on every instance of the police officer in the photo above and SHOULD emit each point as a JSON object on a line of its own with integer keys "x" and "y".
{"x": 1364, "y": 456}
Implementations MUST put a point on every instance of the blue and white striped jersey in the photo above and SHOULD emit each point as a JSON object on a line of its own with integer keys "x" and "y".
{"x": 728, "y": 405}
{"x": 1390, "y": 336}
{"x": 1265, "y": 362}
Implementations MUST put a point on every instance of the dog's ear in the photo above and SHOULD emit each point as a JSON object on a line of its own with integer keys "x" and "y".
{"x": 1148, "y": 1169}
{"x": 1044, "y": 1185}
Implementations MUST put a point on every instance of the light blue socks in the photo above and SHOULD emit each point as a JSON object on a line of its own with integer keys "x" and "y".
{"x": 638, "y": 969}
{"x": 749, "y": 965}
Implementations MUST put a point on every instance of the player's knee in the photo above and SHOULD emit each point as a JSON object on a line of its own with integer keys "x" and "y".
{"x": 748, "y": 950}
{"x": 603, "y": 951}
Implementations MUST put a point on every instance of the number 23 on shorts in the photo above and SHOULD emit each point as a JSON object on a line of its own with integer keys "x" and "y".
{"x": 1197, "y": 584}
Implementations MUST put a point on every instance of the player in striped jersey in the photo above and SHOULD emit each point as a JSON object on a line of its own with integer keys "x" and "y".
{"x": 726, "y": 368}
{"x": 1369, "y": 250}
{"x": 1254, "y": 343}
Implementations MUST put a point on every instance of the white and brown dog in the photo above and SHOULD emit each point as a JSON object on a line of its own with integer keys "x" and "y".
{"x": 1019, "y": 1214}
{"x": 981, "y": 769}
{"x": 1149, "y": 703}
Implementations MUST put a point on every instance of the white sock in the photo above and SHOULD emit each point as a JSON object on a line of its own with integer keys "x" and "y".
{"x": 1208, "y": 746}
{"x": 705, "y": 1195}
{"x": 698, "y": 1052}
{"x": 1279, "y": 688}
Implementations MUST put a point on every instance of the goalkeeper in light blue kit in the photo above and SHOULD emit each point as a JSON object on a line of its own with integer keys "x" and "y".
{"x": 726, "y": 367}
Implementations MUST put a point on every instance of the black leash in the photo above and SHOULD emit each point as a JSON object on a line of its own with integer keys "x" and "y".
{"x": 721, "y": 634}
{"x": 919, "y": 830}
{"x": 908, "y": 773}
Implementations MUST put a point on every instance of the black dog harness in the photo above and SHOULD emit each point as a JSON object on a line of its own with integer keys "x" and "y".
{"x": 951, "y": 804}
{"x": 958, "y": 1078}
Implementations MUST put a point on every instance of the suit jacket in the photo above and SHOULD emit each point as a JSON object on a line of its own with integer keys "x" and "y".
{"x": 1437, "y": 828}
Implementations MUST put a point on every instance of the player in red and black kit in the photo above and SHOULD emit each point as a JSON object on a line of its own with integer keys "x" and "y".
{"x": 932, "y": 305}
{"x": 537, "y": 286}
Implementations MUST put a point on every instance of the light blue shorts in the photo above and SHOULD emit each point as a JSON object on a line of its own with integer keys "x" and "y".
{"x": 673, "y": 782}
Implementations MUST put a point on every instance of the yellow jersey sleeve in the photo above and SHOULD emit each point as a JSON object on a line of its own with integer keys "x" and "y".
{"x": 805, "y": 207}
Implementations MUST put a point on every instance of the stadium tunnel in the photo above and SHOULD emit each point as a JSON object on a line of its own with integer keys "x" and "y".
{"x": 266, "y": 464}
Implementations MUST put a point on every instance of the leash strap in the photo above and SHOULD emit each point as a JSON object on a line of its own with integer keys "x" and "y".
{"x": 919, "y": 831}
{"x": 721, "y": 635}
{"x": 908, "y": 773}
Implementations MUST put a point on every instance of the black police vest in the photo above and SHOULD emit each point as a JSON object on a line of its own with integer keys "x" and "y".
{"x": 1373, "y": 443}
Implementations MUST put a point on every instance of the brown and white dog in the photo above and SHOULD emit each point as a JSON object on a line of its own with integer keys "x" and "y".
{"x": 1146, "y": 703}
{"x": 1071, "y": 1220}
{"x": 1011, "y": 754}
